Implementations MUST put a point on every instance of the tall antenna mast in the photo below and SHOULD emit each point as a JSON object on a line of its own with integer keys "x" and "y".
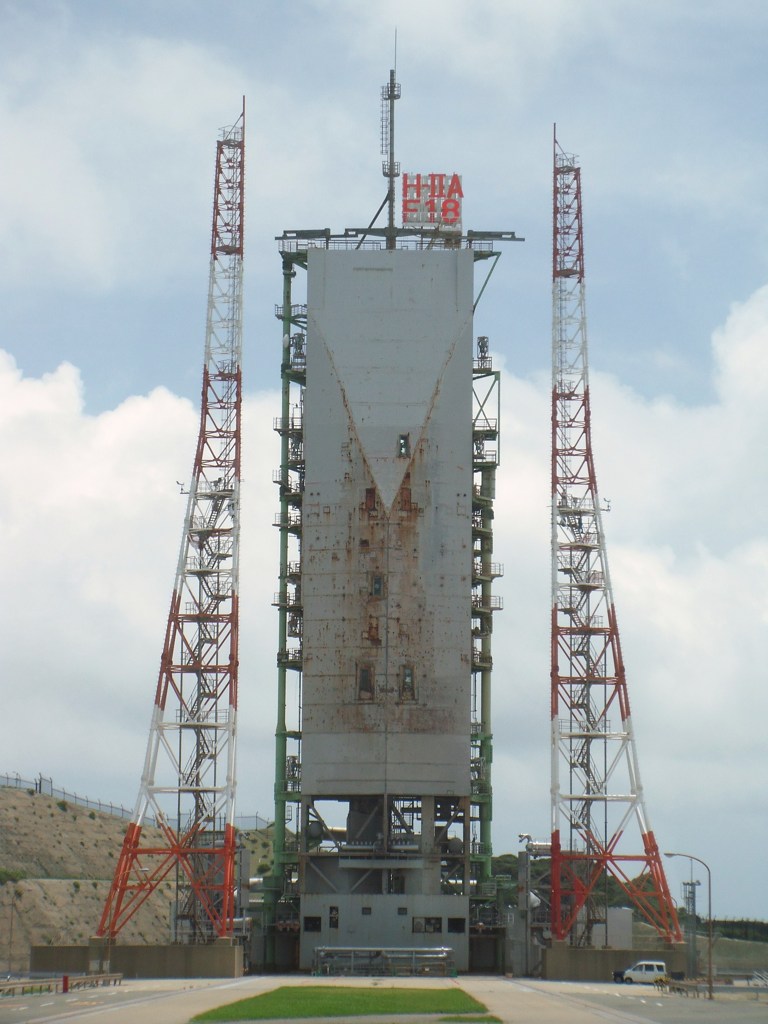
{"x": 188, "y": 781}
{"x": 597, "y": 796}
{"x": 389, "y": 168}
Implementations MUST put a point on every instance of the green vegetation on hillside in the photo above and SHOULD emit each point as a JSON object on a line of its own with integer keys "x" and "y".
{"x": 11, "y": 876}
{"x": 746, "y": 930}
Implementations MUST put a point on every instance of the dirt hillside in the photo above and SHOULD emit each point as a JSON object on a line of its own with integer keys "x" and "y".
{"x": 57, "y": 860}
{"x": 56, "y": 866}
{"x": 727, "y": 954}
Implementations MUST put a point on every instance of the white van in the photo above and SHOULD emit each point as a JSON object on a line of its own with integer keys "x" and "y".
{"x": 644, "y": 972}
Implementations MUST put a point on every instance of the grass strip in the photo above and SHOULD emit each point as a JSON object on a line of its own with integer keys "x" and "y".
{"x": 486, "y": 1018}
{"x": 343, "y": 1001}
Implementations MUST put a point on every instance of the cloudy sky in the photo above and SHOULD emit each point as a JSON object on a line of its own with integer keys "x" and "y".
{"x": 108, "y": 120}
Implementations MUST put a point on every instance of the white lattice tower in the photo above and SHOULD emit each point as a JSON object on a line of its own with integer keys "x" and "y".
{"x": 188, "y": 782}
{"x": 600, "y": 825}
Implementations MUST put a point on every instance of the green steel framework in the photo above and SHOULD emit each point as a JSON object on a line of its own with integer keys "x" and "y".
{"x": 281, "y": 891}
{"x": 485, "y": 459}
{"x": 281, "y": 897}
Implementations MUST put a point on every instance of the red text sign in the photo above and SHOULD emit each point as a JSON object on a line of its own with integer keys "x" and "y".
{"x": 432, "y": 200}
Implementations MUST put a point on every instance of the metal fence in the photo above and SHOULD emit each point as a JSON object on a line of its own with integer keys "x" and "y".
{"x": 46, "y": 787}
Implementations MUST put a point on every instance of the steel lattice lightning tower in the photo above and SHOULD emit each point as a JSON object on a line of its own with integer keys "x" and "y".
{"x": 188, "y": 780}
{"x": 597, "y": 797}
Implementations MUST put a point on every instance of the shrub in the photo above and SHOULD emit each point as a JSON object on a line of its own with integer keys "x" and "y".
{"x": 11, "y": 876}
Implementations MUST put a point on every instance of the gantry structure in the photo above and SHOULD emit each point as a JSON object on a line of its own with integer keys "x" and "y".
{"x": 383, "y": 797}
{"x": 187, "y": 788}
{"x": 600, "y": 825}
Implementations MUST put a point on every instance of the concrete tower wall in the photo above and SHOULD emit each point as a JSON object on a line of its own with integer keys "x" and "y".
{"x": 386, "y": 588}
{"x": 386, "y": 542}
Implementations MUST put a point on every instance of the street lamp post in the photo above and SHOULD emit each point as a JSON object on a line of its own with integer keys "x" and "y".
{"x": 10, "y": 934}
{"x": 698, "y": 860}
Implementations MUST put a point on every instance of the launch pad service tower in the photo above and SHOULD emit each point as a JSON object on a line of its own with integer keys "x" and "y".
{"x": 389, "y": 433}
{"x": 389, "y": 430}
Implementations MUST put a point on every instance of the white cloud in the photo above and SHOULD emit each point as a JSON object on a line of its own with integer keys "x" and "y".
{"x": 112, "y": 183}
{"x": 741, "y": 348}
{"x": 91, "y": 520}
{"x": 489, "y": 41}
{"x": 691, "y": 473}
{"x": 111, "y": 152}
{"x": 688, "y": 550}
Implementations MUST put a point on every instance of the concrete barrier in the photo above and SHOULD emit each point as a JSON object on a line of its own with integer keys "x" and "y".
{"x": 562, "y": 962}
{"x": 218, "y": 960}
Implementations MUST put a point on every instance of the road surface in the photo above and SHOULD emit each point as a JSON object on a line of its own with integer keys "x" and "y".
{"x": 514, "y": 1001}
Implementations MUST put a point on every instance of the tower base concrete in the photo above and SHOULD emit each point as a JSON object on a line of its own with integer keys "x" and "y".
{"x": 223, "y": 959}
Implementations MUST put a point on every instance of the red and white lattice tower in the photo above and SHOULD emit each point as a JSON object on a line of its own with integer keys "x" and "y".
{"x": 188, "y": 782}
{"x": 599, "y": 823}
